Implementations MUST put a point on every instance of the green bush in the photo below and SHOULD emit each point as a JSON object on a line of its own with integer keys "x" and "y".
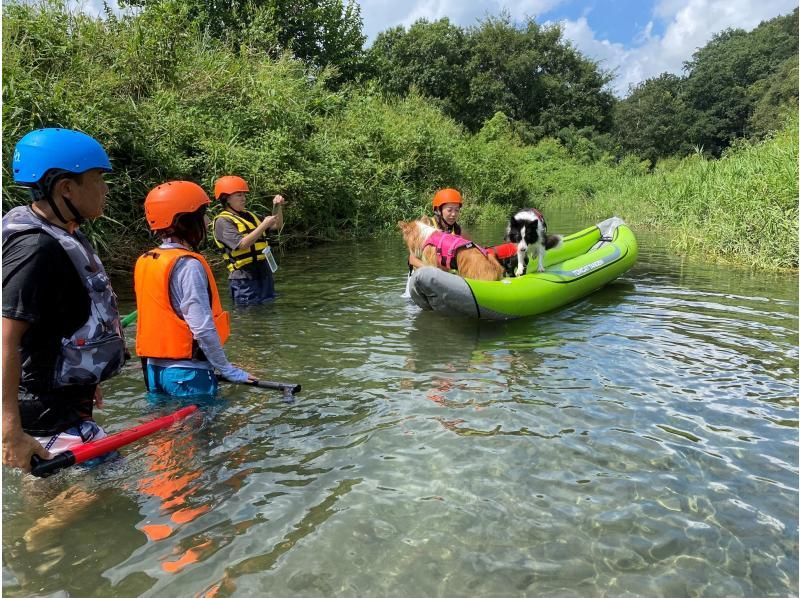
{"x": 169, "y": 103}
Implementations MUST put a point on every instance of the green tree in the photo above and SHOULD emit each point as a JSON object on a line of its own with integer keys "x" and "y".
{"x": 773, "y": 98}
{"x": 721, "y": 74}
{"x": 321, "y": 33}
{"x": 429, "y": 57}
{"x": 526, "y": 71}
{"x": 652, "y": 121}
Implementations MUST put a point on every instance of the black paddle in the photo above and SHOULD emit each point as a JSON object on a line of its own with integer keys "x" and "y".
{"x": 289, "y": 389}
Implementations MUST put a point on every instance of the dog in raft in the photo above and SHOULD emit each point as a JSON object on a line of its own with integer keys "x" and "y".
{"x": 448, "y": 251}
{"x": 528, "y": 230}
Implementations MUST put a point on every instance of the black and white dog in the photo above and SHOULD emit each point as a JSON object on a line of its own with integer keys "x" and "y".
{"x": 528, "y": 230}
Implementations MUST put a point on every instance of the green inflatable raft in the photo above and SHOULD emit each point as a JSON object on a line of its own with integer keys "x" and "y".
{"x": 584, "y": 262}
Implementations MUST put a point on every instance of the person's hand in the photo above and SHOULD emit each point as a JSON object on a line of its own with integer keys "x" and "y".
{"x": 269, "y": 221}
{"x": 19, "y": 447}
{"x": 98, "y": 397}
{"x": 237, "y": 375}
{"x": 278, "y": 200}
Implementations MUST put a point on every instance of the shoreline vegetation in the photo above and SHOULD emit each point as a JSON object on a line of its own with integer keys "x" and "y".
{"x": 170, "y": 100}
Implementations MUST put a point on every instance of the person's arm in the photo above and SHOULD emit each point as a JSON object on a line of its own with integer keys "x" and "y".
{"x": 18, "y": 447}
{"x": 273, "y": 222}
{"x": 189, "y": 285}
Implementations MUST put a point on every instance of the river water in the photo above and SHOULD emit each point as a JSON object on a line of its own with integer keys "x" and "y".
{"x": 642, "y": 442}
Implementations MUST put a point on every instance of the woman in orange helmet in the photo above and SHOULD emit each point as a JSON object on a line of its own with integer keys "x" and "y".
{"x": 446, "y": 209}
{"x": 242, "y": 240}
{"x": 181, "y": 324}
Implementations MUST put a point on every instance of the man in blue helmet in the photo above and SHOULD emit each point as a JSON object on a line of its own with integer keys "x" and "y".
{"x": 61, "y": 329}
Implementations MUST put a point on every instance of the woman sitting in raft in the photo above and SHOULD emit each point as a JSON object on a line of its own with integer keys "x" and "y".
{"x": 447, "y": 205}
{"x": 182, "y": 326}
{"x": 446, "y": 209}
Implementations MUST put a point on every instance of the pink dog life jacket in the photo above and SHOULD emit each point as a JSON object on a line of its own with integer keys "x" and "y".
{"x": 447, "y": 246}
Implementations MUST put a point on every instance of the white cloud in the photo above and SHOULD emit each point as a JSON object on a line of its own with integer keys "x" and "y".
{"x": 689, "y": 25}
{"x": 379, "y": 15}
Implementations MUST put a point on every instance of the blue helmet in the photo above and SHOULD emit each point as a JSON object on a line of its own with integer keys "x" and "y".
{"x": 63, "y": 149}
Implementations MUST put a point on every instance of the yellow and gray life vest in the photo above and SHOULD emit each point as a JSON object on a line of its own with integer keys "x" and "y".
{"x": 96, "y": 350}
{"x": 246, "y": 223}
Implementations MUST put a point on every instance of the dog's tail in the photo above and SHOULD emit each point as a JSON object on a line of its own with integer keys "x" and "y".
{"x": 552, "y": 241}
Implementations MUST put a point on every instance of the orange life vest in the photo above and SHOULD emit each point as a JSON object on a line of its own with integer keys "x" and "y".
{"x": 160, "y": 333}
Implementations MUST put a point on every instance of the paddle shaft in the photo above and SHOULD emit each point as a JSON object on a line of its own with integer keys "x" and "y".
{"x": 285, "y": 387}
{"x": 129, "y": 319}
{"x": 45, "y": 467}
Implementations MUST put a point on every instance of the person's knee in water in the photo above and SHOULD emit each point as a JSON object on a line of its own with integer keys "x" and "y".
{"x": 181, "y": 324}
{"x": 242, "y": 240}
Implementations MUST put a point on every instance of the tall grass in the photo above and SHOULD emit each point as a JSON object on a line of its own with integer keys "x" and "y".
{"x": 742, "y": 207}
{"x": 169, "y": 103}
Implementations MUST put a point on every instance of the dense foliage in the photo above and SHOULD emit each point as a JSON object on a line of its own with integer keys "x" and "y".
{"x": 528, "y": 72}
{"x": 321, "y": 33}
{"x": 174, "y": 92}
{"x": 739, "y": 85}
{"x": 169, "y": 102}
{"x": 742, "y": 207}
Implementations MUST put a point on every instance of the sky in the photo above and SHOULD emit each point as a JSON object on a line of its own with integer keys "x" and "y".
{"x": 634, "y": 39}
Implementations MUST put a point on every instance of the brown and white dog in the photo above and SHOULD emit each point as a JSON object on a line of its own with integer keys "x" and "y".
{"x": 528, "y": 230}
{"x": 470, "y": 261}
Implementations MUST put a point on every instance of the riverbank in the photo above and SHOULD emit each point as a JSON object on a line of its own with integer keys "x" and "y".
{"x": 741, "y": 208}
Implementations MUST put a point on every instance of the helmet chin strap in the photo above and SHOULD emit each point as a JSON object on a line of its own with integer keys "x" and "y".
{"x": 43, "y": 190}
{"x": 55, "y": 210}
{"x": 76, "y": 215}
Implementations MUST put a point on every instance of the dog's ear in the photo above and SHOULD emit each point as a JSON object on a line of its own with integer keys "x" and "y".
{"x": 513, "y": 231}
{"x": 402, "y": 225}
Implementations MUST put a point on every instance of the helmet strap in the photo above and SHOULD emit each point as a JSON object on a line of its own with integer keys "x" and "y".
{"x": 76, "y": 215}
{"x": 44, "y": 191}
{"x": 55, "y": 210}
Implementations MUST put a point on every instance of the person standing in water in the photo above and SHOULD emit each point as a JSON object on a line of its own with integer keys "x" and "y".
{"x": 243, "y": 242}
{"x": 61, "y": 330}
{"x": 181, "y": 324}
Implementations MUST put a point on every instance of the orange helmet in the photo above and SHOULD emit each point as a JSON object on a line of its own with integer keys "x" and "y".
{"x": 230, "y": 184}
{"x": 444, "y": 196}
{"x": 168, "y": 200}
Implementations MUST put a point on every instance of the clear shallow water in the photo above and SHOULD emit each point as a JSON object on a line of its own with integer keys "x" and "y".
{"x": 640, "y": 442}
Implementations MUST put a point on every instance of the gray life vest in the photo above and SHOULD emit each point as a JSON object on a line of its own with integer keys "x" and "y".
{"x": 96, "y": 351}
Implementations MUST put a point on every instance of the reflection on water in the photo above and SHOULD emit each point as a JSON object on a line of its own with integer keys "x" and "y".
{"x": 641, "y": 441}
